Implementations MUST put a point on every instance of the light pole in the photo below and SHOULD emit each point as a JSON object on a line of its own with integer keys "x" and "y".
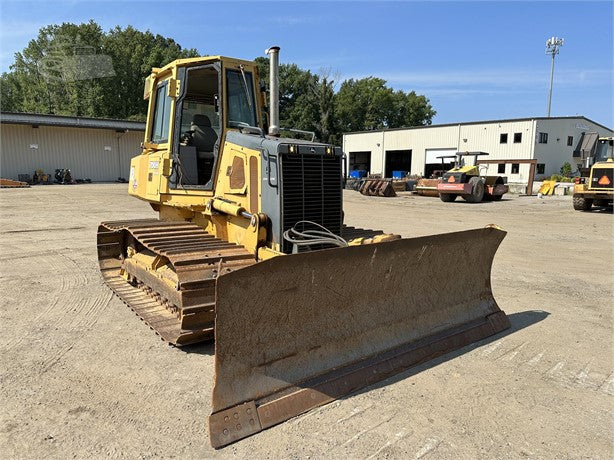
{"x": 552, "y": 47}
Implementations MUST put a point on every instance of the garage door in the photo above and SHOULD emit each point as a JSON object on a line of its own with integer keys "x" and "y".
{"x": 433, "y": 166}
{"x": 432, "y": 154}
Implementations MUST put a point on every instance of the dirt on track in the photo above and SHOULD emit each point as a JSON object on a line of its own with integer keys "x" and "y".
{"x": 82, "y": 377}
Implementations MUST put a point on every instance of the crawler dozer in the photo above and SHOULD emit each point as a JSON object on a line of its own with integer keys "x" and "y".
{"x": 250, "y": 251}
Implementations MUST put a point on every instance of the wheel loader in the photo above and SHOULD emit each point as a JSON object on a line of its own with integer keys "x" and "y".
{"x": 465, "y": 181}
{"x": 250, "y": 251}
{"x": 598, "y": 188}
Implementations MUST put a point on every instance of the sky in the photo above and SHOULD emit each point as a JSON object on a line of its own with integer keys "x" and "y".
{"x": 474, "y": 60}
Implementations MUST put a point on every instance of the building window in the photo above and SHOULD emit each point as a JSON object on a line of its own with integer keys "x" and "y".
{"x": 503, "y": 138}
{"x": 501, "y": 168}
{"x": 517, "y": 138}
{"x": 542, "y": 138}
{"x": 541, "y": 168}
{"x": 570, "y": 140}
{"x": 515, "y": 168}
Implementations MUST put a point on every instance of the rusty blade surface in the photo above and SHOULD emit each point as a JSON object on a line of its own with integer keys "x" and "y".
{"x": 288, "y": 324}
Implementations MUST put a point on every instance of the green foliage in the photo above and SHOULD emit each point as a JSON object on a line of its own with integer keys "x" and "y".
{"x": 309, "y": 102}
{"x": 566, "y": 170}
{"x": 369, "y": 104}
{"x": 560, "y": 178}
{"x": 78, "y": 69}
{"x": 306, "y": 100}
{"x": 134, "y": 54}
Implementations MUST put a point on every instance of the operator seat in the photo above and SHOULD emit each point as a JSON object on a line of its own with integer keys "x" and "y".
{"x": 204, "y": 136}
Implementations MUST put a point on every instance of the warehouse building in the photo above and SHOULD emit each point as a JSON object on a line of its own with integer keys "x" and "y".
{"x": 551, "y": 141}
{"x": 96, "y": 149}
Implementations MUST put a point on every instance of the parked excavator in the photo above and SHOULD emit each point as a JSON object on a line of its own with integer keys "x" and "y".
{"x": 250, "y": 251}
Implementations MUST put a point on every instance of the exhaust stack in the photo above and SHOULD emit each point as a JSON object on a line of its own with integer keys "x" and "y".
{"x": 273, "y": 53}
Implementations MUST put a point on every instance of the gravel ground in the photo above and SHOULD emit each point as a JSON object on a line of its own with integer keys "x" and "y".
{"x": 82, "y": 377}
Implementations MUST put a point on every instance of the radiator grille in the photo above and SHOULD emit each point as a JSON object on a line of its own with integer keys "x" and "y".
{"x": 311, "y": 190}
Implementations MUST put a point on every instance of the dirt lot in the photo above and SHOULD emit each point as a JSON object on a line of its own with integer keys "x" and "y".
{"x": 82, "y": 377}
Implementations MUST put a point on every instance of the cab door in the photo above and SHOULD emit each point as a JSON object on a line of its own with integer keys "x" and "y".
{"x": 146, "y": 170}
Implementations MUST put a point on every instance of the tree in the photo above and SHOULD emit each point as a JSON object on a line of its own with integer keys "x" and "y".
{"x": 42, "y": 79}
{"x": 413, "y": 109}
{"x": 368, "y": 104}
{"x": 134, "y": 54}
{"x": 306, "y": 100}
{"x": 10, "y": 92}
{"x": 325, "y": 122}
{"x": 363, "y": 104}
{"x": 566, "y": 169}
{"x": 77, "y": 69}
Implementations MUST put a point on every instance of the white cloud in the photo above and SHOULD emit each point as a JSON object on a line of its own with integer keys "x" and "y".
{"x": 459, "y": 92}
{"x": 499, "y": 78}
{"x": 291, "y": 20}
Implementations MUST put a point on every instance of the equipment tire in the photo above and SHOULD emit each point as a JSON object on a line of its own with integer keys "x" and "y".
{"x": 477, "y": 190}
{"x": 497, "y": 197}
{"x": 447, "y": 197}
{"x": 582, "y": 204}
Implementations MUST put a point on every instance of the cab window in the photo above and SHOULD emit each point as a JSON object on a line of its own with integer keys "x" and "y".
{"x": 161, "y": 117}
{"x": 240, "y": 98}
{"x": 604, "y": 150}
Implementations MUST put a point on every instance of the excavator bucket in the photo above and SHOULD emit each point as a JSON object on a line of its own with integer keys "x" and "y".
{"x": 299, "y": 331}
{"x": 377, "y": 187}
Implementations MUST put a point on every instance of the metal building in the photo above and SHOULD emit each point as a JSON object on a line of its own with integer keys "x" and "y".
{"x": 551, "y": 141}
{"x": 96, "y": 149}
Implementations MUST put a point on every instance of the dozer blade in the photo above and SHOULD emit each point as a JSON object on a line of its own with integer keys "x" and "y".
{"x": 299, "y": 331}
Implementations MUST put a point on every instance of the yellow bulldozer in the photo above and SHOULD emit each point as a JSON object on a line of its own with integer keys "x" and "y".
{"x": 250, "y": 250}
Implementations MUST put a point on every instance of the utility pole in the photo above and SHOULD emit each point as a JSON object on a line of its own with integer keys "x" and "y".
{"x": 552, "y": 47}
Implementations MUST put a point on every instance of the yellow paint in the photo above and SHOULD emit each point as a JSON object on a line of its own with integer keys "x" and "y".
{"x": 547, "y": 187}
{"x": 150, "y": 171}
{"x": 265, "y": 253}
{"x": 469, "y": 170}
{"x": 374, "y": 240}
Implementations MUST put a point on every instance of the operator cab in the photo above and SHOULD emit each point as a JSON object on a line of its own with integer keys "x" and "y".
{"x": 604, "y": 149}
{"x": 212, "y": 96}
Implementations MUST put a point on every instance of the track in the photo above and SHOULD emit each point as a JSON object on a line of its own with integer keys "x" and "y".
{"x": 181, "y": 307}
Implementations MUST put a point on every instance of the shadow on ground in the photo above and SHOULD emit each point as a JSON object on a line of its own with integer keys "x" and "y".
{"x": 601, "y": 210}
{"x": 518, "y": 321}
{"x": 205, "y": 348}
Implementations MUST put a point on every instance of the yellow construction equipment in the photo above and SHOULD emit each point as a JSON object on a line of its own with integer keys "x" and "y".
{"x": 598, "y": 188}
{"x": 547, "y": 187}
{"x": 250, "y": 250}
